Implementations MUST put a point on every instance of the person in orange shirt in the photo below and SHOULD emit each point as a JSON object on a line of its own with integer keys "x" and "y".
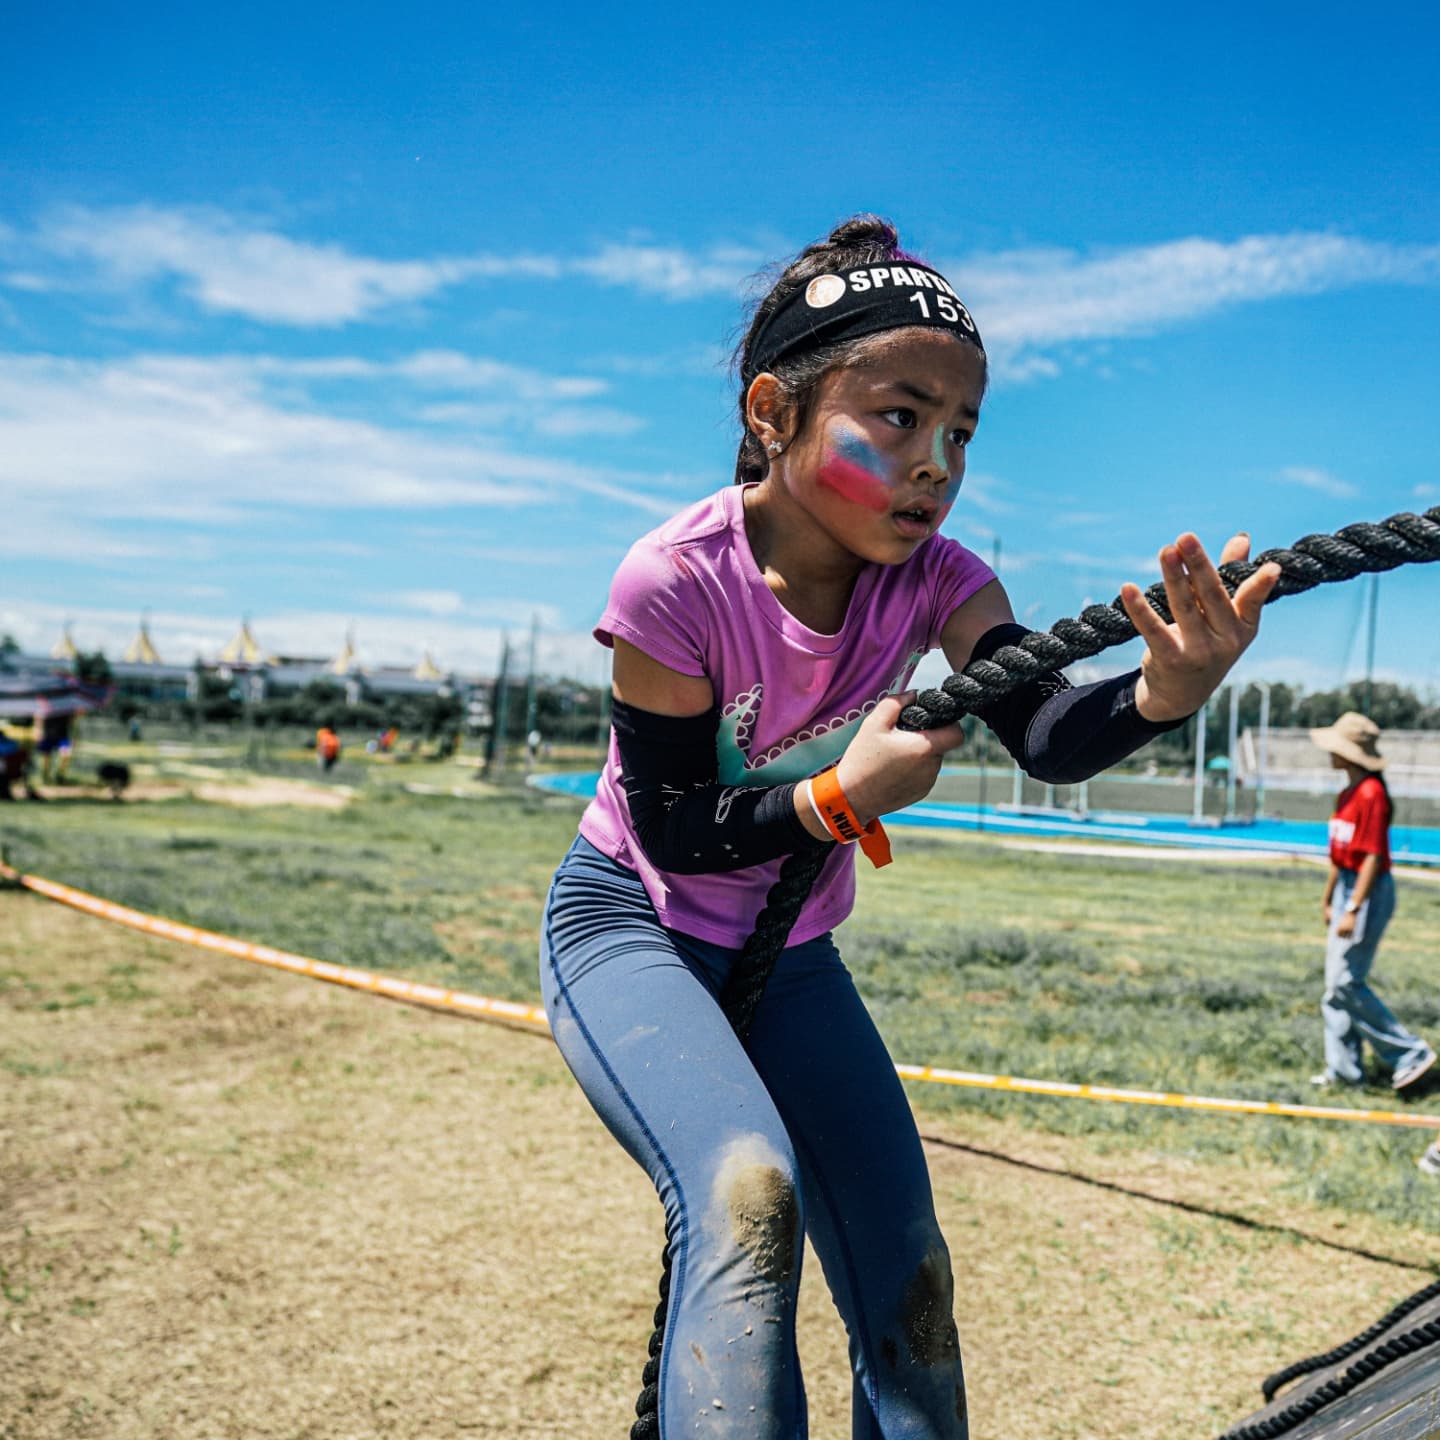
{"x": 1357, "y": 905}
{"x": 327, "y": 747}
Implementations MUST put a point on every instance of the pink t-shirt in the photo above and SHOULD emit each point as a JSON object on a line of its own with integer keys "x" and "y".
{"x": 691, "y": 596}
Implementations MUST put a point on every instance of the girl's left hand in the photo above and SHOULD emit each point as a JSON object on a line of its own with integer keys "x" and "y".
{"x": 1187, "y": 659}
{"x": 1345, "y": 925}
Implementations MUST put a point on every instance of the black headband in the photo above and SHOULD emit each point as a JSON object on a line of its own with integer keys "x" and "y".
{"x": 851, "y": 303}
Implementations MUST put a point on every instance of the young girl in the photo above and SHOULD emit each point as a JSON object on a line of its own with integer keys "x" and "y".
{"x": 1357, "y": 905}
{"x": 761, "y": 637}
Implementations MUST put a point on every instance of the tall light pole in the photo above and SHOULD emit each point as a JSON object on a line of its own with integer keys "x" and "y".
{"x": 1232, "y": 739}
{"x": 1370, "y": 643}
{"x": 1197, "y": 813}
{"x": 1263, "y": 760}
{"x": 532, "y": 697}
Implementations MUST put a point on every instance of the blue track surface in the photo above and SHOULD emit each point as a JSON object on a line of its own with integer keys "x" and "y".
{"x": 1410, "y": 845}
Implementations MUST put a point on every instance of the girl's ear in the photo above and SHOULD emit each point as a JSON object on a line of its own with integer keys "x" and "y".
{"x": 767, "y": 412}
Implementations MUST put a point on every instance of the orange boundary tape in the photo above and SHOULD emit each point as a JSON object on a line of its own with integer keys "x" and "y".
{"x": 479, "y": 1006}
{"x": 482, "y": 1007}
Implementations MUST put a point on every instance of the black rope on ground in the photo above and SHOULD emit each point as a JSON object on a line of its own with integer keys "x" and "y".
{"x": 1283, "y": 1377}
{"x": 1359, "y": 549}
{"x": 1398, "y": 1347}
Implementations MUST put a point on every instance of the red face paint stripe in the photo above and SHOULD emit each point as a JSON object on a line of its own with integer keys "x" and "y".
{"x": 854, "y": 482}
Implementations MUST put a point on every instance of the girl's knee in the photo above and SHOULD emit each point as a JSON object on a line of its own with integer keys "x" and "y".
{"x": 927, "y": 1312}
{"x": 919, "y": 1353}
{"x": 756, "y": 1199}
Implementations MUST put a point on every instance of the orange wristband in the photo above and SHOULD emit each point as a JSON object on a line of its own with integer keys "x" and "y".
{"x": 839, "y": 818}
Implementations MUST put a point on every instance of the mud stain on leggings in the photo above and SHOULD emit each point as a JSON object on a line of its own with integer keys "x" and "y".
{"x": 762, "y": 1211}
{"x": 764, "y": 1218}
{"x": 928, "y": 1312}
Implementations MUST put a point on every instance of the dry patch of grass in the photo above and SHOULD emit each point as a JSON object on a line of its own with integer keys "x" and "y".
{"x": 271, "y": 791}
{"x": 235, "y": 1203}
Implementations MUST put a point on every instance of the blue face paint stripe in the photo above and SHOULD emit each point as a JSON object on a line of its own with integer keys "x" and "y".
{"x": 859, "y": 451}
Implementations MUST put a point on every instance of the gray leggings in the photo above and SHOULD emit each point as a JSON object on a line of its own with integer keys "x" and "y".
{"x": 804, "y": 1130}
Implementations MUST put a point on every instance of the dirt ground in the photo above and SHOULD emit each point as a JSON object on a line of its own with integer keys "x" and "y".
{"x": 237, "y": 1203}
{"x": 268, "y": 790}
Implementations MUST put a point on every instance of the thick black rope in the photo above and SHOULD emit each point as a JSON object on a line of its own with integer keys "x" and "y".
{"x": 1359, "y": 549}
{"x": 1397, "y": 1348}
{"x": 1283, "y": 1377}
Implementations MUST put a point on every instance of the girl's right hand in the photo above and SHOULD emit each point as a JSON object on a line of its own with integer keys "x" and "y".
{"x": 885, "y": 768}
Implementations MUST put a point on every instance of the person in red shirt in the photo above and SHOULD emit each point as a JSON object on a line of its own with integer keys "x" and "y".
{"x": 1358, "y": 903}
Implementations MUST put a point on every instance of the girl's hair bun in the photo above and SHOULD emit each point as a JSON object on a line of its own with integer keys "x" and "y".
{"x": 861, "y": 232}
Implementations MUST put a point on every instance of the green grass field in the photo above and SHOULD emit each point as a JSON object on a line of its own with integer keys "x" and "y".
{"x": 1137, "y": 972}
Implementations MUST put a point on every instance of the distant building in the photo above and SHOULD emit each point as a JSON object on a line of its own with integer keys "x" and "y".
{"x": 288, "y": 674}
{"x": 254, "y": 673}
{"x": 1294, "y": 762}
{"x": 141, "y": 650}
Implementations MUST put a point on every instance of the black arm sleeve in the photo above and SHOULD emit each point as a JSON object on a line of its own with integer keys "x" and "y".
{"x": 1062, "y": 733}
{"x": 686, "y": 821}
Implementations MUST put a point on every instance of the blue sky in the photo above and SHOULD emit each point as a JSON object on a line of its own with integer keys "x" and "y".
{"x": 413, "y": 320}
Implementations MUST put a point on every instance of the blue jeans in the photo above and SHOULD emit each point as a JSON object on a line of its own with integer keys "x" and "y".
{"x": 803, "y": 1130}
{"x": 1351, "y": 1010}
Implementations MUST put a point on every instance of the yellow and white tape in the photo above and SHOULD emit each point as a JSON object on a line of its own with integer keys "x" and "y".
{"x": 1168, "y": 1100}
{"x": 482, "y": 1007}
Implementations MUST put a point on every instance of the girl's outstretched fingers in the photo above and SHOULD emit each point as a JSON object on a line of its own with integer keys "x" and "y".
{"x": 1187, "y": 659}
{"x": 1237, "y": 547}
{"x": 1250, "y": 595}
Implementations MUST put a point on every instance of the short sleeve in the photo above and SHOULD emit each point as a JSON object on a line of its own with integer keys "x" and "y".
{"x": 657, "y": 606}
{"x": 1372, "y": 819}
{"x": 954, "y": 575}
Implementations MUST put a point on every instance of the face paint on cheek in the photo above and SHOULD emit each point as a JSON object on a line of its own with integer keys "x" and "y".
{"x": 855, "y": 472}
{"x": 952, "y": 485}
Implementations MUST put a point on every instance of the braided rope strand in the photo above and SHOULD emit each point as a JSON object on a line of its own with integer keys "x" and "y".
{"x": 1283, "y": 1377}
{"x": 1400, "y": 1347}
{"x": 1359, "y": 549}
{"x": 1362, "y": 548}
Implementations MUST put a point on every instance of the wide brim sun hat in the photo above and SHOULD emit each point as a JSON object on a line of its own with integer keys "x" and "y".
{"x": 1352, "y": 737}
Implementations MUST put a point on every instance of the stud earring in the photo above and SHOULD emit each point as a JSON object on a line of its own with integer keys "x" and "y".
{"x": 774, "y": 448}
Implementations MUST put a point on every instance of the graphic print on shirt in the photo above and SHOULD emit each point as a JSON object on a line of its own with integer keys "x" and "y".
{"x": 798, "y": 756}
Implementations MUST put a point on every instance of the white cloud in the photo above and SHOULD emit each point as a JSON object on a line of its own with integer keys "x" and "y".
{"x": 432, "y": 602}
{"x": 32, "y": 531}
{"x": 1029, "y": 300}
{"x": 560, "y": 421}
{"x": 1142, "y": 569}
{"x": 674, "y": 273}
{"x": 1321, "y": 481}
{"x": 231, "y": 265}
{"x": 698, "y": 359}
{"x": 25, "y": 280}
{"x": 1426, "y": 492}
{"x": 983, "y": 491}
{"x": 1076, "y": 519}
{"x": 201, "y": 441}
{"x": 566, "y": 421}
{"x": 230, "y": 268}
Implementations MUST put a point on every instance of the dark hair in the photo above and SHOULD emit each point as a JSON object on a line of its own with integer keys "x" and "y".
{"x": 856, "y": 242}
